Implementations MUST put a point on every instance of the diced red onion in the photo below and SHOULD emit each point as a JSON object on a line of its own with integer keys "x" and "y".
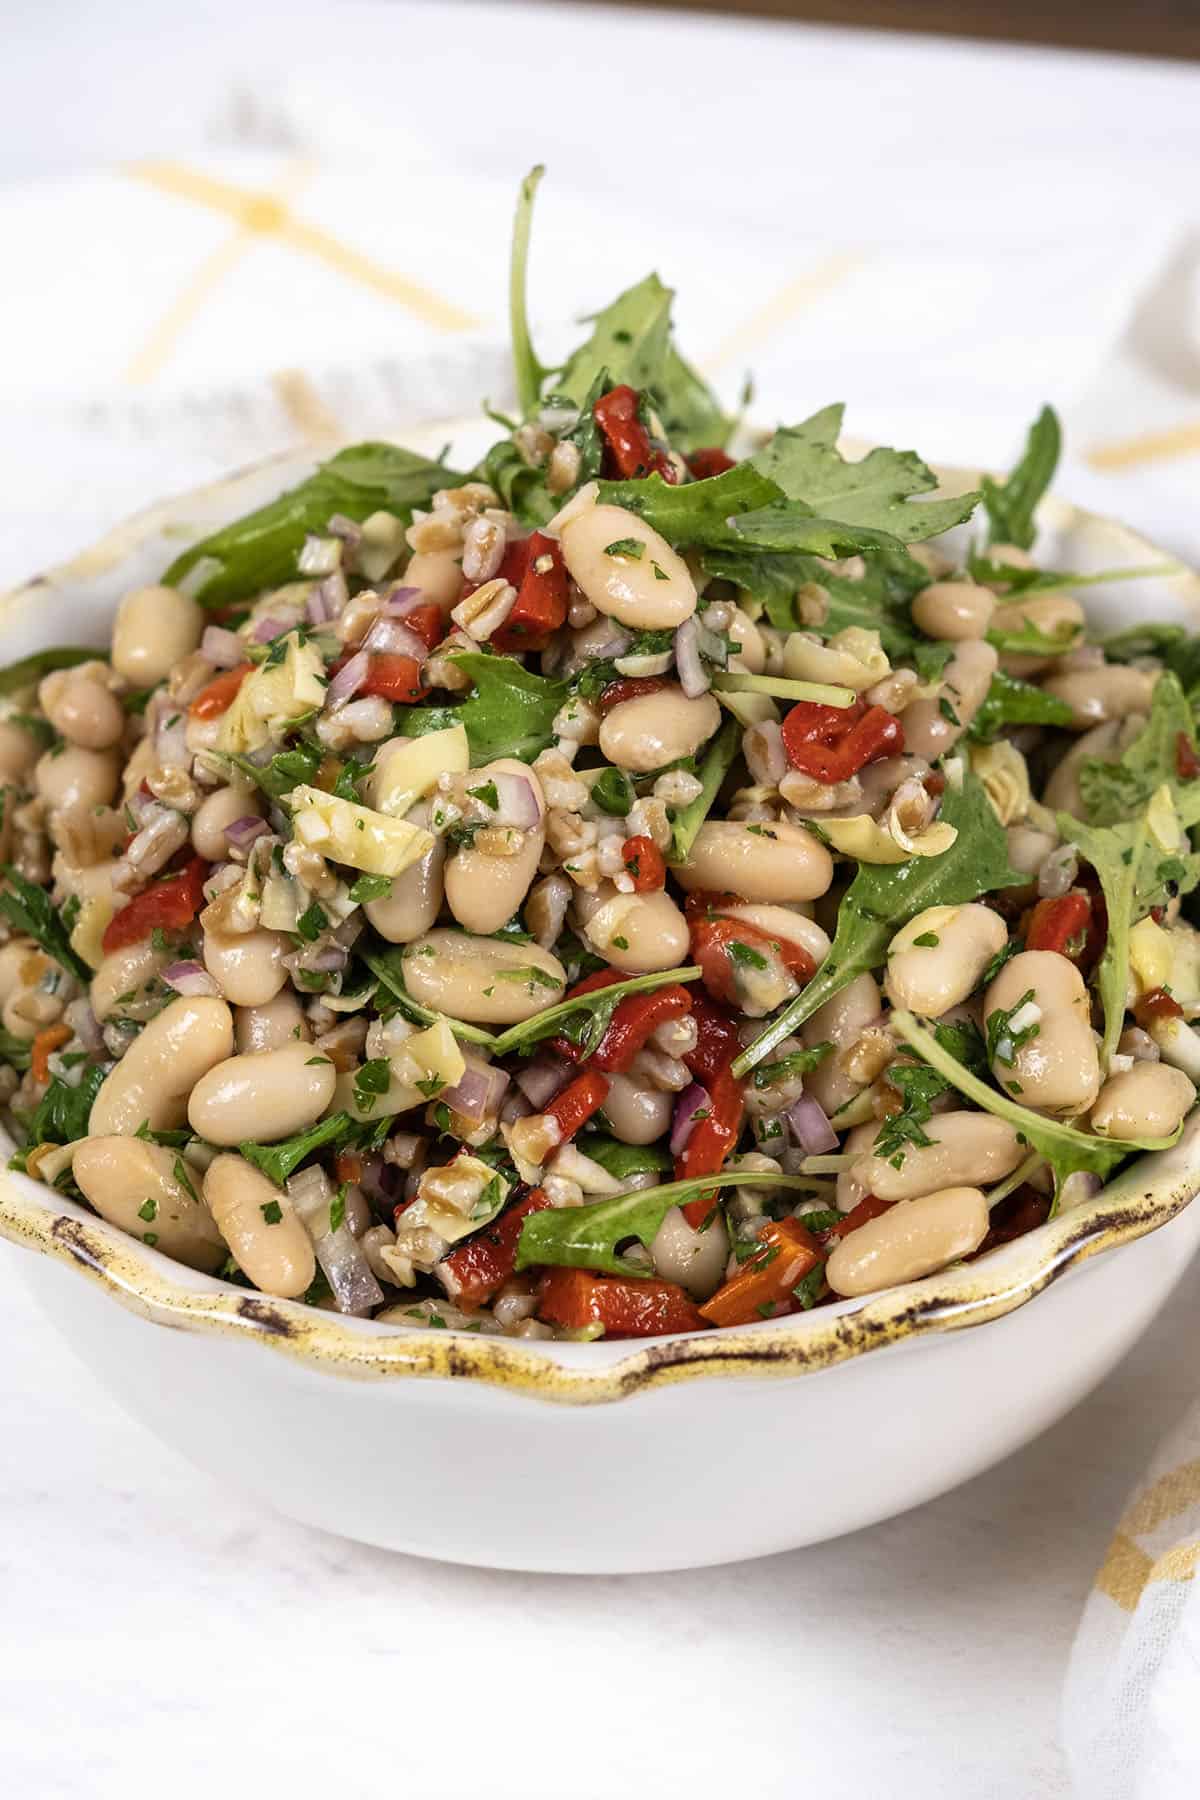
{"x": 85, "y": 1025}
{"x": 693, "y": 676}
{"x": 614, "y": 645}
{"x": 544, "y": 1077}
{"x": 1058, "y": 872}
{"x": 267, "y": 630}
{"x": 319, "y": 555}
{"x": 401, "y": 601}
{"x": 355, "y": 1289}
{"x": 348, "y": 679}
{"x": 515, "y": 1107}
{"x": 327, "y": 600}
{"x": 242, "y": 833}
{"x": 349, "y": 530}
{"x": 516, "y": 802}
{"x": 693, "y": 1101}
{"x": 814, "y": 1133}
{"x": 192, "y": 979}
{"x": 224, "y": 649}
{"x": 390, "y": 637}
{"x": 1077, "y": 1188}
{"x": 170, "y": 736}
{"x": 477, "y": 1095}
{"x": 327, "y": 960}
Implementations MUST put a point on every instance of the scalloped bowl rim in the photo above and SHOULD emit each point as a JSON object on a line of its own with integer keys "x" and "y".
{"x": 1145, "y": 1196}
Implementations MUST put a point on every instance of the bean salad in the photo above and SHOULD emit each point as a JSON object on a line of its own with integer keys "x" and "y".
{"x": 656, "y": 879}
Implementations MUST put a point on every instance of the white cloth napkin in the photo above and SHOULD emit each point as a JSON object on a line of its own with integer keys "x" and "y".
{"x": 1131, "y": 1718}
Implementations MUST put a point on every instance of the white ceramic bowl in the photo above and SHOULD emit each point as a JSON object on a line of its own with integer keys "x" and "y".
{"x": 610, "y": 1456}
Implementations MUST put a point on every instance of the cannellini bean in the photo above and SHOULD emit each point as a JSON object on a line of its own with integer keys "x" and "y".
{"x": 266, "y": 1096}
{"x": 782, "y": 922}
{"x": 1110, "y": 692}
{"x": 840, "y": 1022}
{"x": 694, "y": 1259}
{"x": 1057, "y": 1070}
{"x": 1147, "y": 1101}
{"x": 135, "y": 1185}
{"x": 18, "y": 753}
{"x": 655, "y": 729}
{"x": 271, "y": 1024}
{"x": 161, "y": 1067}
{"x": 750, "y": 656}
{"x": 909, "y": 1240}
{"x": 775, "y": 861}
{"x": 483, "y": 980}
{"x": 637, "y": 1113}
{"x": 930, "y": 978}
{"x": 650, "y": 592}
{"x": 247, "y": 966}
{"x": 214, "y": 813}
{"x": 1053, "y": 614}
{"x": 931, "y": 727}
{"x": 438, "y": 574}
{"x": 954, "y": 610}
{"x": 81, "y": 707}
{"x": 1062, "y": 789}
{"x": 155, "y": 628}
{"x": 126, "y": 981}
{"x": 1028, "y": 848}
{"x": 260, "y": 1225}
{"x": 483, "y": 892}
{"x": 75, "y": 777}
{"x": 972, "y": 1147}
{"x": 415, "y": 901}
{"x": 636, "y": 933}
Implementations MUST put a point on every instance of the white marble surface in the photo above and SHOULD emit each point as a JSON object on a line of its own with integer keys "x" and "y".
{"x": 157, "y": 1626}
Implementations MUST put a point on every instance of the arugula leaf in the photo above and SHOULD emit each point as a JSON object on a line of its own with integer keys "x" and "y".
{"x": 32, "y": 911}
{"x": 883, "y": 897}
{"x": 291, "y": 768}
{"x": 880, "y": 600}
{"x": 1115, "y": 791}
{"x": 528, "y": 372}
{"x": 584, "y": 1018}
{"x": 1023, "y": 584}
{"x": 628, "y": 345}
{"x": 62, "y": 1113}
{"x": 687, "y": 820}
{"x": 260, "y": 550}
{"x": 23, "y": 674}
{"x": 510, "y": 713}
{"x": 623, "y": 1160}
{"x": 522, "y": 485}
{"x": 1031, "y": 640}
{"x": 386, "y": 963}
{"x": 1064, "y": 1148}
{"x": 613, "y": 793}
{"x": 797, "y": 1062}
{"x": 278, "y": 1161}
{"x": 1011, "y": 504}
{"x": 1012, "y": 702}
{"x": 876, "y": 492}
{"x": 698, "y": 512}
{"x": 586, "y": 1237}
{"x": 691, "y": 413}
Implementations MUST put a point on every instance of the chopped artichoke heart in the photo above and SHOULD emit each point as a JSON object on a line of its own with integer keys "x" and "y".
{"x": 426, "y": 1056}
{"x": 405, "y": 773}
{"x": 478, "y": 1195}
{"x": 272, "y": 698}
{"x": 89, "y": 929}
{"x": 866, "y": 840}
{"x": 1163, "y": 820}
{"x": 356, "y": 835}
{"x": 1002, "y": 770}
{"x": 1149, "y": 955}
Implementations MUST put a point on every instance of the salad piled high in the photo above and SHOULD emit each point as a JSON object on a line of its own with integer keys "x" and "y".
{"x": 647, "y": 882}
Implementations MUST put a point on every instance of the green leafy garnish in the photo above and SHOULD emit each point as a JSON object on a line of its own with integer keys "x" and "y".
{"x": 623, "y": 1160}
{"x": 882, "y": 898}
{"x": 1012, "y": 702}
{"x": 14, "y": 1050}
{"x": 32, "y": 911}
{"x": 528, "y": 372}
{"x": 584, "y": 1019}
{"x": 1115, "y": 791}
{"x": 371, "y": 1079}
{"x": 613, "y": 793}
{"x": 510, "y": 713}
{"x": 797, "y": 1062}
{"x": 371, "y": 887}
{"x": 291, "y": 768}
{"x": 687, "y": 820}
{"x": 1011, "y": 504}
{"x": 278, "y": 1161}
{"x": 62, "y": 1113}
{"x": 1003, "y": 1042}
{"x": 312, "y": 922}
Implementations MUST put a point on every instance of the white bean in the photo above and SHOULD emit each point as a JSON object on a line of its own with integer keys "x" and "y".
{"x": 260, "y": 1225}
{"x": 438, "y": 574}
{"x": 637, "y": 1113}
{"x": 655, "y": 729}
{"x": 269, "y": 1095}
{"x": 483, "y": 892}
{"x": 694, "y": 1259}
{"x": 775, "y": 862}
{"x": 1062, "y": 789}
{"x": 1111, "y": 692}
{"x": 908, "y": 1241}
{"x": 81, "y": 707}
{"x": 485, "y": 981}
{"x": 650, "y": 591}
{"x": 247, "y": 966}
{"x": 126, "y": 981}
{"x": 1054, "y": 615}
{"x": 155, "y": 628}
{"x": 1147, "y": 1101}
{"x": 783, "y": 922}
{"x": 221, "y": 808}
{"x": 270, "y": 1025}
{"x": 135, "y": 1185}
{"x": 931, "y": 727}
{"x": 966, "y": 1147}
{"x": 18, "y": 753}
{"x": 169, "y": 1056}
{"x": 953, "y": 610}
{"x": 840, "y": 1022}
{"x": 929, "y": 977}
{"x": 636, "y": 933}
{"x": 75, "y": 777}
{"x": 1056, "y": 1069}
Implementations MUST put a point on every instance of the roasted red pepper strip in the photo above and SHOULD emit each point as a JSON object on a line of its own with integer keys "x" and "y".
{"x": 427, "y": 622}
{"x": 168, "y": 905}
{"x": 717, "y": 1040}
{"x": 832, "y": 743}
{"x": 762, "y": 1287}
{"x": 643, "y": 859}
{"x": 631, "y": 687}
{"x": 1187, "y": 763}
{"x": 472, "y": 1273}
{"x": 1060, "y": 925}
{"x": 869, "y": 1207}
{"x": 541, "y": 603}
{"x": 575, "y": 1299}
{"x": 220, "y": 693}
{"x": 394, "y": 677}
{"x": 635, "y": 1021}
{"x": 710, "y": 461}
{"x": 630, "y": 451}
{"x": 577, "y": 1102}
{"x": 1157, "y": 1004}
{"x": 711, "y": 940}
{"x": 711, "y": 1141}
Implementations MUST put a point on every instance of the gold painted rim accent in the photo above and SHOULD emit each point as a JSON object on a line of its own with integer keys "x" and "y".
{"x": 1149, "y": 1194}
